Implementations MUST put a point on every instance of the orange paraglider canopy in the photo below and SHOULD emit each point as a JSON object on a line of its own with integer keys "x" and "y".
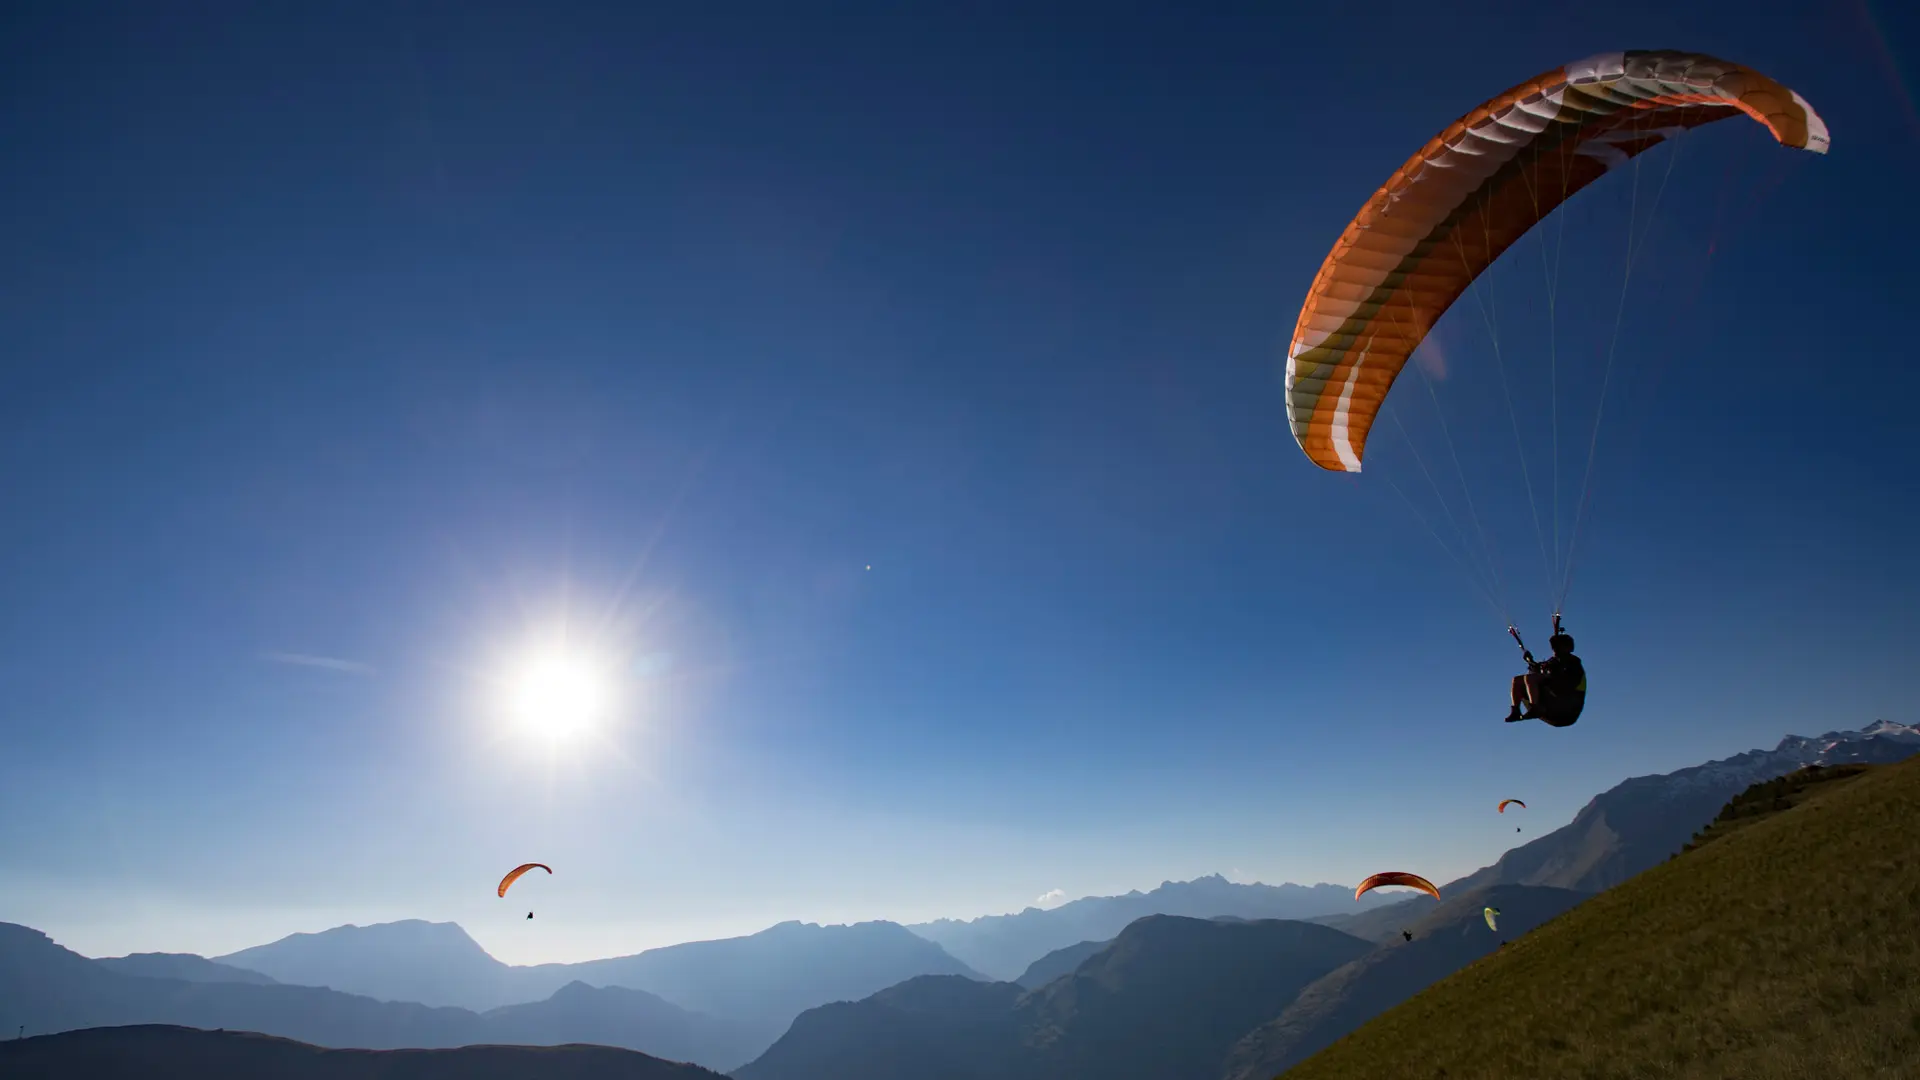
{"x": 1470, "y": 193}
{"x": 1504, "y": 803}
{"x": 1397, "y": 877}
{"x": 514, "y": 874}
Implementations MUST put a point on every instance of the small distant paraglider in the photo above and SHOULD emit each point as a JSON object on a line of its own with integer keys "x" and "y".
{"x": 1492, "y": 914}
{"x": 513, "y": 875}
{"x": 1504, "y": 803}
{"x": 1396, "y": 877}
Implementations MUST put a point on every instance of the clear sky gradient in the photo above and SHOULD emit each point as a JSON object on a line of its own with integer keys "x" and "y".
{"x": 351, "y": 350}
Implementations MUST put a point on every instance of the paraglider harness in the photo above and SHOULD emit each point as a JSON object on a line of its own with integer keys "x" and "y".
{"x": 1556, "y": 710}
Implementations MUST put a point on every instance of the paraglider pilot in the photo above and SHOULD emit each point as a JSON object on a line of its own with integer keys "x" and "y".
{"x": 1553, "y": 690}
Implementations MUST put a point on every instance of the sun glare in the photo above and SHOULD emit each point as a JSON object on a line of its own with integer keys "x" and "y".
{"x": 559, "y": 697}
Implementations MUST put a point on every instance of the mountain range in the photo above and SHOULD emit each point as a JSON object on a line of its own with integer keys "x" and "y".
{"x": 1036, "y": 1028}
{"x": 183, "y": 966}
{"x": 1003, "y": 945}
{"x": 1165, "y": 1000}
{"x": 850, "y": 999}
{"x": 44, "y": 987}
{"x": 759, "y": 982}
{"x": 1057, "y": 963}
{"x": 1170, "y": 998}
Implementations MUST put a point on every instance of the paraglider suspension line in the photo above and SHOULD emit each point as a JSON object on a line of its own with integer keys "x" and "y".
{"x": 1635, "y": 244}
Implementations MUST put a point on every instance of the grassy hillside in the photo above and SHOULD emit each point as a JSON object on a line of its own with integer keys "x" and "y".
{"x": 1454, "y": 935}
{"x": 1763, "y": 801}
{"x": 1780, "y": 948}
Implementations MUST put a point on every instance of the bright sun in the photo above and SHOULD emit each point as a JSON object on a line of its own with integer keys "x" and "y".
{"x": 559, "y": 697}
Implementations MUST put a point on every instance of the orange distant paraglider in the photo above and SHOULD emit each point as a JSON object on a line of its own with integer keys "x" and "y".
{"x": 1397, "y": 877}
{"x": 514, "y": 875}
{"x": 1504, "y": 803}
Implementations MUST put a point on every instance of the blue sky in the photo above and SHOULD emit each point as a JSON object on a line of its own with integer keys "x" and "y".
{"x": 402, "y": 336}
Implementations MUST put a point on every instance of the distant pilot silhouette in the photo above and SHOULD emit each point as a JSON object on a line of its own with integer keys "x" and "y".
{"x": 1408, "y": 934}
{"x": 529, "y": 914}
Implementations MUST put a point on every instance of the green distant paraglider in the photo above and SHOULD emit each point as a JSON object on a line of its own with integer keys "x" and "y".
{"x": 1492, "y": 913}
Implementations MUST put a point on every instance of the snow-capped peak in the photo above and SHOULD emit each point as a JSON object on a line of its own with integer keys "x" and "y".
{"x": 1881, "y": 741}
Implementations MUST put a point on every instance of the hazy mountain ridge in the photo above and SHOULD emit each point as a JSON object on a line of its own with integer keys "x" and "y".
{"x": 608, "y": 1016}
{"x": 47, "y": 988}
{"x": 775, "y": 975}
{"x": 186, "y": 967}
{"x": 410, "y": 960}
{"x": 1164, "y": 1001}
{"x": 1004, "y": 945}
{"x": 1057, "y": 963}
{"x": 761, "y": 981}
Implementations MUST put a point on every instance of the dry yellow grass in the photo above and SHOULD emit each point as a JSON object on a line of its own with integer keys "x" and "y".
{"x": 1784, "y": 948}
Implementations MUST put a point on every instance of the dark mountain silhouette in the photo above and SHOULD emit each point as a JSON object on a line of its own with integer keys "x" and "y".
{"x": 183, "y": 966}
{"x": 147, "y": 1051}
{"x": 1057, "y": 963}
{"x": 1003, "y": 946}
{"x": 425, "y": 962}
{"x": 1164, "y": 1001}
{"x": 1643, "y": 821}
{"x": 766, "y": 979}
{"x": 935, "y": 1027}
{"x": 610, "y": 1016}
{"x": 1447, "y": 939}
{"x": 46, "y": 988}
{"x": 761, "y": 981}
{"x": 1170, "y": 996}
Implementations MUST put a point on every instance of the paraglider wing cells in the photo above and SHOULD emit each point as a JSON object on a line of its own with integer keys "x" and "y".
{"x": 1473, "y": 191}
